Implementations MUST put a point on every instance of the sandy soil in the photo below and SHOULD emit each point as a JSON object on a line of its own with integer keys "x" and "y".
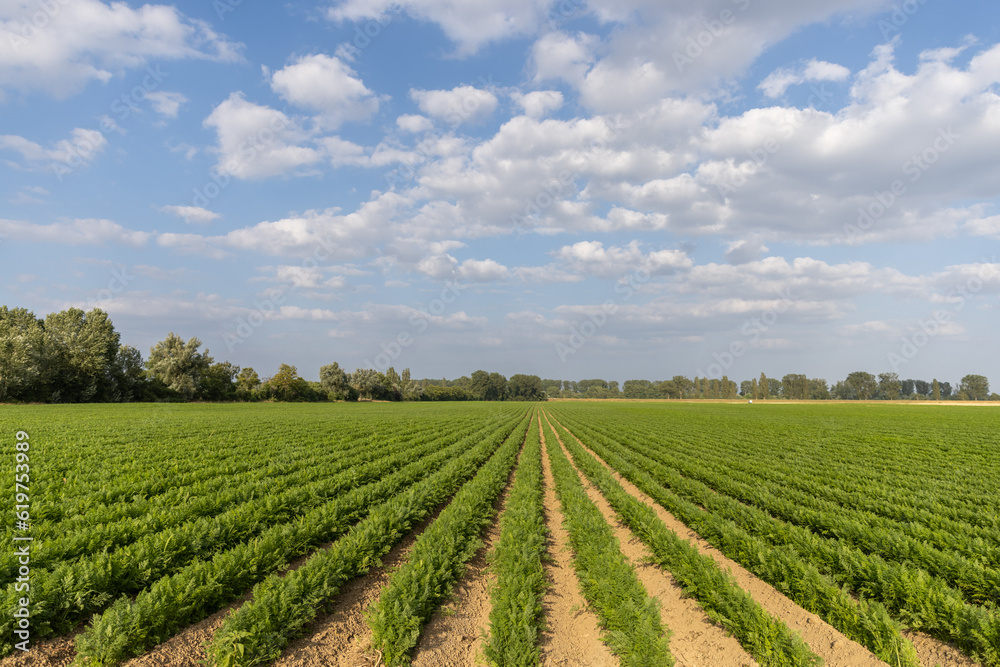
{"x": 825, "y": 640}
{"x": 456, "y": 633}
{"x": 572, "y": 636}
{"x": 695, "y": 638}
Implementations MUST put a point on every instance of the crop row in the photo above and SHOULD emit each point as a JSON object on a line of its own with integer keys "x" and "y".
{"x": 629, "y": 617}
{"x": 767, "y": 639}
{"x": 110, "y": 534}
{"x": 282, "y": 606}
{"x": 72, "y": 591}
{"x": 128, "y": 627}
{"x": 516, "y": 596}
{"x": 866, "y": 621}
{"x": 438, "y": 558}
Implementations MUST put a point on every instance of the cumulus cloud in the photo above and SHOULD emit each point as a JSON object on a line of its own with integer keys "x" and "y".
{"x": 462, "y": 104}
{"x": 192, "y": 214}
{"x": 165, "y": 103}
{"x": 85, "y": 41}
{"x": 778, "y": 81}
{"x": 325, "y": 85}
{"x": 256, "y": 141}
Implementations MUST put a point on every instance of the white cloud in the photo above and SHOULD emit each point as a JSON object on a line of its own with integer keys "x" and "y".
{"x": 256, "y": 141}
{"x": 87, "y": 40}
{"x": 462, "y": 104}
{"x": 558, "y": 55}
{"x": 540, "y": 102}
{"x": 67, "y": 154}
{"x": 81, "y": 231}
{"x": 482, "y": 271}
{"x": 325, "y": 85}
{"x": 778, "y": 81}
{"x": 192, "y": 214}
{"x": 166, "y": 103}
{"x": 592, "y": 258}
{"x": 469, "y": 24}
{"x": 414, "y": 123}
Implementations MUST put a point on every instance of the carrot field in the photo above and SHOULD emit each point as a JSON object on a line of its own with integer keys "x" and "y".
{"x": 590, "y": 533}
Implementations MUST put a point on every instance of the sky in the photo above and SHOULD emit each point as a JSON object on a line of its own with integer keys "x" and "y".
{"x": 574, "y": 189}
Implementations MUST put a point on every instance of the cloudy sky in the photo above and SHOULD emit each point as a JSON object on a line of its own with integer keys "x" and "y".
{"x": 575, "y": 188}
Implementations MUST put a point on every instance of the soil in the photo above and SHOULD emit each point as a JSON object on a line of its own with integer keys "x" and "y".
{"x": 695, "y": 639}
{"x": 455, "y": 634}
{"x": 825, "y": 640}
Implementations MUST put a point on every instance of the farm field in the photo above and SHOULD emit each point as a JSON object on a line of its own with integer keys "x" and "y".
{"x": 448, "y": 534}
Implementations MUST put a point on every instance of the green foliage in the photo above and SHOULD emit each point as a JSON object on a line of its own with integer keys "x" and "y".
{"x": 179, "y": 365}
{"x": 516, "y": 598}
{"x": 629, "y": 618}
{"x": 281, "y": 606}
{"x": 438, "y": 558}
{"x": 768, "y": 640}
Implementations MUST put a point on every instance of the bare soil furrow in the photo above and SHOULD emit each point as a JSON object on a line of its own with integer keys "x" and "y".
{"x": 696, "y": 640}
{"x": 573, "y": 636}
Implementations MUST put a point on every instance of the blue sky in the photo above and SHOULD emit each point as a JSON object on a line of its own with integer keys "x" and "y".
{"x": 575, "y": 189}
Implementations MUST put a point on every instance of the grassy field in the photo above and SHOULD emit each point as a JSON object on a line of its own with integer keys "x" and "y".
{"x": 233, "y": 533}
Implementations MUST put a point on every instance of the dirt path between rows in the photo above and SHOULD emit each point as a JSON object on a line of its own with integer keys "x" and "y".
{"x": 341, "y": 637}
{"x": 696, "y": 640}
{"x": 572, "y": 635}
{"x": 825, "y": 640}
{"x": 455, "y": 635}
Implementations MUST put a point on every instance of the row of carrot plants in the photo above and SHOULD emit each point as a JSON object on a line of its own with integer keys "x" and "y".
{"x": 630, "y": 618}
{"x": 130, "y": 626}
{"x": 516, "y": 619}
{"x": 282, "y": 606}
{"x": 111, "y": 533}
{"x": 865, "y": 620}
{"x": 74, "y": 590}
{"x": 438, "y": 558}
{"x": 768, "y": 640}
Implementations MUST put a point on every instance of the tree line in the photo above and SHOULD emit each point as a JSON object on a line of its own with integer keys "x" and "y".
{"x": 77, "y": 357}
{"x": 858, "y": 385}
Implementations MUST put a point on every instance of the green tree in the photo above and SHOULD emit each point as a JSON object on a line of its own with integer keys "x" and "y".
{"x": 818, "y": 389}
{"x": 862, "y": 384}
{"x": 286, "y": 385}
{"x": 936, "y": 390}
{"x": 975, "y": 387}
{"x": 219, "y": 382}
{"x": 368, "y": 383}
{"x": 80, "y": 349}
{"x": 335, "y": 383}
{"x": 178, "y": 365}
{"x": 128, "y": 376}
{"x": 525, "y": 388}
{"x": 22, "y": 355}
{"x": 889, "y": 386}
{"x": 763, "y": 386}
{"x": 247, "y": 381}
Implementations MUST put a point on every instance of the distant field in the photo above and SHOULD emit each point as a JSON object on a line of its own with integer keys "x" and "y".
{"x": 862, "y": 534}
